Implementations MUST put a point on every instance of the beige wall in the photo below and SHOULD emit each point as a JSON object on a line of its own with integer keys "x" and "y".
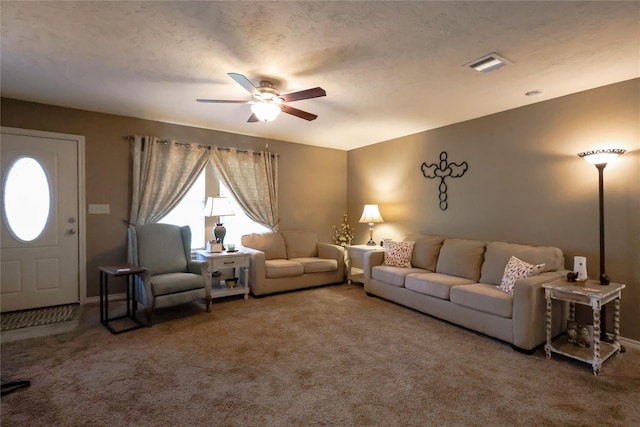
{"x": 525, "y": 183}
{"x": 312, "y": 180}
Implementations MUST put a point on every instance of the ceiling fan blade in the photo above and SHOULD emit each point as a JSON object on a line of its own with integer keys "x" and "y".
{"x": 253, "y": 119}
{"x": 298, "y": 113}
{"x": 304, "y": 94}
{"x": 220, "y": 101}
{"x": 245, "y": 83}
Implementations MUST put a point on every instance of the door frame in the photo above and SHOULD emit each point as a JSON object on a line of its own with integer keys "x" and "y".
{"x": 82, "y": 228}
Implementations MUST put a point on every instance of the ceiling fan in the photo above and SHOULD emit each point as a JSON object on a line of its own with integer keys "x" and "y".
{"x": 266, "y": 102}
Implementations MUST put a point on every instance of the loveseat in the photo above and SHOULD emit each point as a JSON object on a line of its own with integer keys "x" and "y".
{"x": 460, "y": 281}
{"x": 288, "y": 260}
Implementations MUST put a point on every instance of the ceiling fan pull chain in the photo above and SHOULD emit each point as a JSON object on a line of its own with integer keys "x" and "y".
{"x": 266, "y": 144}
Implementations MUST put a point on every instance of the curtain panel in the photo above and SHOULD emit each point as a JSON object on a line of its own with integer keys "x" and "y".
{"x": 252, "y": 177}
{"x": 163, "y": 172}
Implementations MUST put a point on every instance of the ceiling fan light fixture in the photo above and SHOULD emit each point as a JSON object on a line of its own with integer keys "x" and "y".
{"x": 266, "y": 111}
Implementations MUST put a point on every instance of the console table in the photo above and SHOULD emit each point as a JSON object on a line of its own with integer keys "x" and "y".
{"x": 227, "y": 260}
{"x": 594, "y": 295}
{"x": 355, "y": 261}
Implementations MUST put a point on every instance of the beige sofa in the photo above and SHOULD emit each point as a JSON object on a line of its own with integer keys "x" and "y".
{"x": 289, "y": 260}
{"x": 458, "y": 280}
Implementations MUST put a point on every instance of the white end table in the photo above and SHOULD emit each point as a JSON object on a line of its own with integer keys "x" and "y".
{"x": 592, "y": 294}
{"x": 227, "y": 260}
{"x": 355, "y": 261}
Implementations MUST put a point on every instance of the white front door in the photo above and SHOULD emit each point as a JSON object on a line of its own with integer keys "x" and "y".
{"x": 40, "y": 204}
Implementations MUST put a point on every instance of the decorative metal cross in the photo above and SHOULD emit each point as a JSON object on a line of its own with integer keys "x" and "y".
{"x": 442, "y": 170}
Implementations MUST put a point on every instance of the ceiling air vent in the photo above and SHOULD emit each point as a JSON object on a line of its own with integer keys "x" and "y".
{"x": 488, "y": 63}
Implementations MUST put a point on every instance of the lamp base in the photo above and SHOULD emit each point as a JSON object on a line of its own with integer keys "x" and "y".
{"x": 219, "y": 232}
{"x": 371, "y": 243}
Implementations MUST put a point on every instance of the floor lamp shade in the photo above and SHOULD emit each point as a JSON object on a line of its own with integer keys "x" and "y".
{"x": 371, "y": 215}
{"x": 218, "y": 207}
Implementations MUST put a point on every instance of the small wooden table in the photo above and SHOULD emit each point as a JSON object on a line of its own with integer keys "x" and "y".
{"x": 227, "y": 260}
{"x": 592, "y": 294}
{"x": 116, "y": 271}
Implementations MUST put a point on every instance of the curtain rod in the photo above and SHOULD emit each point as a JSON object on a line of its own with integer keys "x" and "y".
{"x": 208, "y": 147}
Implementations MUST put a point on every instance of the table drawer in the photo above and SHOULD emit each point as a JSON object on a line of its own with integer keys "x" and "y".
{"x": 228, "y": 263}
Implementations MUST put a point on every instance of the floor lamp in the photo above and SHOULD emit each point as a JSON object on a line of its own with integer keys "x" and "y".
{"x": 600, "y": 158}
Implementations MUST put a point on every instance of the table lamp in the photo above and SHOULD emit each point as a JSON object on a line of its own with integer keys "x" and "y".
{"x": 218, "y": 206}
{"x": 371, "y": 215}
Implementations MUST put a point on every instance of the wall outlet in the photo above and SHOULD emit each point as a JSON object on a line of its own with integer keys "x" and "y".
{"x": 99, "y": 209}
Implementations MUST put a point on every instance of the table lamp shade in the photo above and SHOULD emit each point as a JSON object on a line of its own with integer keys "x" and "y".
{"x": 371, "y": 214}
{"x": 218, "y": 206}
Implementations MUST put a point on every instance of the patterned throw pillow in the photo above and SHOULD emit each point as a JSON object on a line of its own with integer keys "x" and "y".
{"x": 517, "y": 269}
{"x": 398, "y": 254}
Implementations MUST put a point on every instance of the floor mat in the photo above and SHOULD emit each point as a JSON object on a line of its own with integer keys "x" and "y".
{"x": 37, "y": 316}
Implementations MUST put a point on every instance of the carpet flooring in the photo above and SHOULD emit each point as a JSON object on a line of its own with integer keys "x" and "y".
{"x": 328, "y": 356}
{"x": 37, "y": 317}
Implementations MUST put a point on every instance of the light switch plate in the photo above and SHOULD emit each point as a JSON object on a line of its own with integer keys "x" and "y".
{"x": 99, "y": 209}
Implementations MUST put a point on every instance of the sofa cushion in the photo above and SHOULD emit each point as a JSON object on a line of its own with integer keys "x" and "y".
{"x": 498, "y": 254}
{"x": 172, "y": 283}
{"x": 392, "y": 275}
{"x": 483, "y": 297}
{"x": 300, "y": 244}
{"x": 275, "y": 268}
{"x": 434, "y": 284}
{"x": 272, "y": 244}
{"x": 462, "y": 258}
{"x": 517, "y": 269}
{"x": 398, "y": 254}
{"x": 317, "y": 265}
{"x": 425, "y": 251}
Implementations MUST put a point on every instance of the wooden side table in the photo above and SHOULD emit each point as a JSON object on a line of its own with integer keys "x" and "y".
{"x": 592, "y": 294}
{"x": 227, "y": 260}
{"x": 355, "y": 261}
{"x": 117, "y": 271}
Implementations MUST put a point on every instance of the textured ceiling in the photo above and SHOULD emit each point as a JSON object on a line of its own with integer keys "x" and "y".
{"x": 389, "y": 68}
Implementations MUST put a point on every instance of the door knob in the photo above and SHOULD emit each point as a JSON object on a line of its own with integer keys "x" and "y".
{"x": 72, "y": 231}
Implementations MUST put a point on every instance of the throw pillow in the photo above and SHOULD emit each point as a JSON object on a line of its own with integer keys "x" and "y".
{"x": 517, "y": 269}
{"x": 398, "y": 254}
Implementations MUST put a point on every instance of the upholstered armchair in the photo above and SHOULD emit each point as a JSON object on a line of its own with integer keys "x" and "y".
{"x": 171, "y": 277}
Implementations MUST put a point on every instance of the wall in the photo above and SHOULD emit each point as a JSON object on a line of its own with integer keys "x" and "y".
{"x": 312, "y": 180}
{"x": 525, "y": 183}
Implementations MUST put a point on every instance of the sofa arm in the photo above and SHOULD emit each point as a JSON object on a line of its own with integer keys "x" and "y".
{"x": 257, "y": 268}
{"x": 530, "y": 310}
{"x": 195, "y": 267}
{"x": 201, "y": 268}
{"x": 143, "y": 288}
{"x": 371, "y": 259}
{"x": 331, "y": 251}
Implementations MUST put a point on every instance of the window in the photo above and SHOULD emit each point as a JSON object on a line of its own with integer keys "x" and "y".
{"x": 26, "y": 216}
{"x": 190, "y": 211}
{"x": 238, "y": 224}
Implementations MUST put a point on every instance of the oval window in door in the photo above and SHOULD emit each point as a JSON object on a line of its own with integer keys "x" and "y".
{"x": 27, "y": 201}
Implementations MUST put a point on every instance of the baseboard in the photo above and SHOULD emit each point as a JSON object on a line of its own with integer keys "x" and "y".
{"x": 629, "y": 343}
